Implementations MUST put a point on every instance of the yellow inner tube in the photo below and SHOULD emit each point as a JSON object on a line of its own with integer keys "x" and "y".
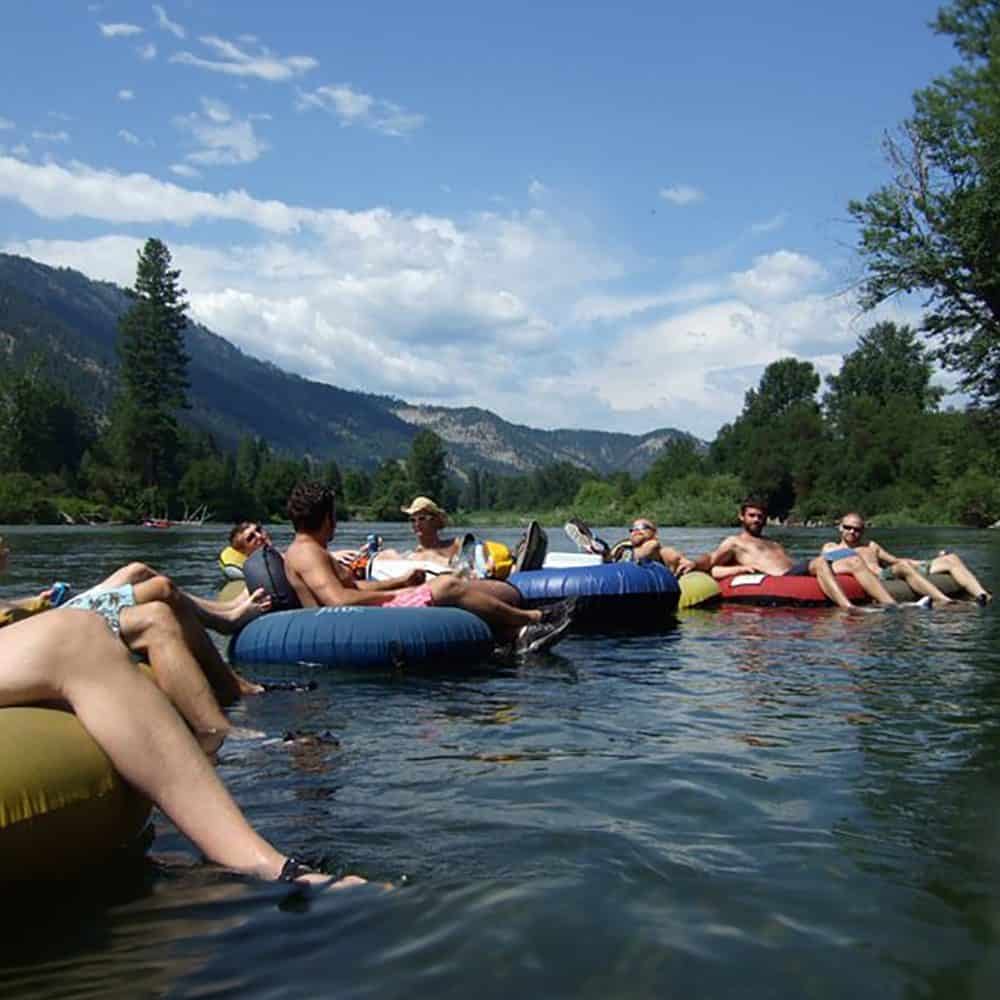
{"x": 697, "y": 588}
{"x": 63, "y": 807}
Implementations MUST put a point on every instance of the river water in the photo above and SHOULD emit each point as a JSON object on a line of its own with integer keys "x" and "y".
{"x": 752, "y": 803}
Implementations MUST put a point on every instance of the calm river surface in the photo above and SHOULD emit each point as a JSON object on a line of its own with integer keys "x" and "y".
{"x": 752, "y": 803}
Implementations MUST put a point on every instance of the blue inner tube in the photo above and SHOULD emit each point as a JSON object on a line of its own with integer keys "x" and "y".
{"x": 622, "y": 595}
{"x": 362, "y": 638}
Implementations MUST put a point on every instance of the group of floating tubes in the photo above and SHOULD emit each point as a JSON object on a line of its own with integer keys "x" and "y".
{"x": 63, "y": 807}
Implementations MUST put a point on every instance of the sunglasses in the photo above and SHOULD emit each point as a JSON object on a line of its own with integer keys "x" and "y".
{"x": 421, "y": 517}
{"x": 641, "y": 527}
{"x": 857, "y": 529}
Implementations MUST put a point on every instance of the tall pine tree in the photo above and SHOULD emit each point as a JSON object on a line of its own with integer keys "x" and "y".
{"x": 153, "y": 370}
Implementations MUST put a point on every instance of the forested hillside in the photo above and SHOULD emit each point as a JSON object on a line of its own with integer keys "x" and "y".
{"x": 73, "y": 322}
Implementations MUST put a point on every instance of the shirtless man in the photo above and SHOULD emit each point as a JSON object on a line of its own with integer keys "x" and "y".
{"x": 644, "y": 545}
{"x": 749, "y": 551}
{"x": 884, "y": 564}
{"x": 320, "y": 581}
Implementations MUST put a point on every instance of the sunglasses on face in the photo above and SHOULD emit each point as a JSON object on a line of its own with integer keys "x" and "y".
{"x": 641, "y": 527}
{"x": 856, "y": 528}
{"x": 421, "y": 517}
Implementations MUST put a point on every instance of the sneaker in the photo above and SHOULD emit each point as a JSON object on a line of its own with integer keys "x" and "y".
{"x": 984, "y": 598}
{"x": 540, "y": 636}
{"x": 532, "y": 548}
{"x": 464, "y": 563}
{"x": 581, "y": 536}
{"x": 560, "y": 611}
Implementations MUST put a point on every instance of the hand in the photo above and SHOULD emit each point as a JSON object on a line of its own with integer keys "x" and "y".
{"x": 685, "y": 565}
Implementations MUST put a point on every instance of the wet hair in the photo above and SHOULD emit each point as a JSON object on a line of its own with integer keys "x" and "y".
{"x": 751, "y": 501}
{"x": 309, "y": 503}
{"x": 238, "y": 529}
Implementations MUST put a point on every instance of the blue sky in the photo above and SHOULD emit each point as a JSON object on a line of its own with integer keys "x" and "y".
{"x": 577, "y": 215}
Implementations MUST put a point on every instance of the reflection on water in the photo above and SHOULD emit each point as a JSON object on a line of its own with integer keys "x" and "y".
{"x": 758, "y": 802}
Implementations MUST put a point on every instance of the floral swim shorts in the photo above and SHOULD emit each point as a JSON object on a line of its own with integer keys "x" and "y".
{"x": 108, "y": 602}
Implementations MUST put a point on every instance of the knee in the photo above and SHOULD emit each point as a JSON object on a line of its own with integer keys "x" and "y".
{"x": 162, "y": 588}
{"x": 137, "y": 572}
{"x": 447, "y": 589}
{"x": 160, "y": 618}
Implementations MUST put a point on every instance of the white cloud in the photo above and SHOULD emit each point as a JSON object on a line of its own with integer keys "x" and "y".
{"x": 223, "y": 139}
{"x": 130, "y": 137}
{"x": 536, "y": 189}
{"x": 234, "y": 61}
{"x": 682, "y": 194}
{"x": 126, "y": 95}
{"x": 60, "y": 136}
{"x": 147, "y": 51}
{"x": 184, "y": 170}
{"x": 5, "y": 123}
{"x": 352, "y": 107}
{"x": 120, "y": 30}
{"x": 499, "y": 309}
{"x": 166, "y": 24}
{"x": 778, "y": 276}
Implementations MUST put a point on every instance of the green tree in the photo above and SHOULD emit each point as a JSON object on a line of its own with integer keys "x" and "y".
{"x": 888, "y": 362}
{"x": 426, "y": 465}
{"x": 42, "y": 427}
{"x": 935, "y": 227}
{"x": 777, "y": 444}
{"x": 153, "y": 372}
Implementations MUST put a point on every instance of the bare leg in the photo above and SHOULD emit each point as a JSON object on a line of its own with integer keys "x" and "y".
{"x": 222, "y": 616}
{"x": 960, "y": 573}
{"x": 73, "y": 657}
{"x": 871, "y": 584}
{"x": 919, "y": 583}
{"x": 820, "y": 569}
{"x": 226, "y": 683}
{"x": 448, "y": 590}
{"x": 153, "y": 631}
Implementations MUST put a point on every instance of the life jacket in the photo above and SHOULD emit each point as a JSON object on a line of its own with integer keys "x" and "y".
{"x": 266, "y": 568}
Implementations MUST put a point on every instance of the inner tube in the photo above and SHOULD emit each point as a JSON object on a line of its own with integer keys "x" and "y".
{"x": 804, "y": 591}
{"x": 365, "y": 638}
{"x": 63, "y": 807}
{"x": 610, "y": 596}
{"x": 698, "y": 588}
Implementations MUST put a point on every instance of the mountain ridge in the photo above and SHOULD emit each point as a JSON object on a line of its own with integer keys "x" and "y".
{"x": 72, "y": 318}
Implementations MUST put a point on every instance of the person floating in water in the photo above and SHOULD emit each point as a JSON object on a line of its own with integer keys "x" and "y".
{"x": 643, "y": 545}
{"x": 319, "y": 580}
{"x": 844, "y": 554}
{"x": 750, "y": 551}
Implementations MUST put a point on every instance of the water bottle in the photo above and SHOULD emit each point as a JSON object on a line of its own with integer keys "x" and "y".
{"x": 61, "y": 593}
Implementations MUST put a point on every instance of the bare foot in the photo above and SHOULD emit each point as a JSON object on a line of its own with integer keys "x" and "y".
{"x": 248, "y": 687}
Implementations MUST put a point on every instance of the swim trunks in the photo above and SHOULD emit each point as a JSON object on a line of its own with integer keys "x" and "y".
{"x": 413, "y": 597}
{"x": 801, "y": 568}
{"x": 835, "y": 554}
{"x": 108, "y": 602}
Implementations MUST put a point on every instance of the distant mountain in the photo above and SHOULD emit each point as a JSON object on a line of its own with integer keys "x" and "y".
{"x": 73, "y": 320}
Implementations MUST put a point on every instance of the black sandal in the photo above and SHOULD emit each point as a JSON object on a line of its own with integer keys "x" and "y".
{"x": 292, "y": 869}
